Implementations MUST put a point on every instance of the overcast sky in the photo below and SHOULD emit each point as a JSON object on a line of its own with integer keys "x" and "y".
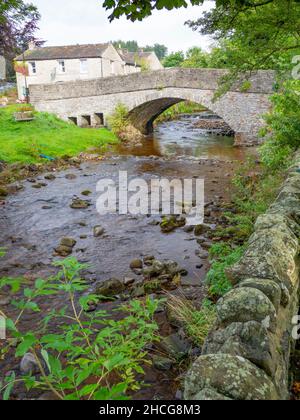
{"x": 85, "y": 21}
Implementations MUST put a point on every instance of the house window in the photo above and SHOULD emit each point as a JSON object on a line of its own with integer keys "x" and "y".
{"x": 61, "y": 66}
{"x": 112, "y": 64}
{"x": 83, "y": 66}
{"x": 33, "y": 67}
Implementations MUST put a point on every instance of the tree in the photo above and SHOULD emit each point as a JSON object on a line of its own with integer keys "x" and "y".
{"x": 263, "y": 32}
{"x": 195, "y": 57}
{"x": 18, "y": 23}
{"x": 174, "y": 59}
{"x": 159, "y": 49}
{"x": 139, "y": 9}
{"x": 131, "y": 46}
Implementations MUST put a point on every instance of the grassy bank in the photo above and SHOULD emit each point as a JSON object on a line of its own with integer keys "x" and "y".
{"x": 47, "y": 135}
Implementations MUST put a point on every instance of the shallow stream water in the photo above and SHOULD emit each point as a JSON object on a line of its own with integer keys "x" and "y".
{"x": 33, "y": 221}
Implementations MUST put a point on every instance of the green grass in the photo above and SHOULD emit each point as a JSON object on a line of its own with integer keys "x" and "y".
{"x": 48, "y": 135}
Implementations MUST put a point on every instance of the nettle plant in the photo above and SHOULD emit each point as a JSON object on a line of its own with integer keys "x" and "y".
{"x": 91, "y": 356}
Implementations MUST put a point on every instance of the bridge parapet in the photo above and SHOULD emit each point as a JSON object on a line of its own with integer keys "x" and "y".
{"x": 206, "y": 79}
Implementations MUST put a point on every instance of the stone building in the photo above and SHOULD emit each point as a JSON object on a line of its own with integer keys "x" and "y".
{"x": 148, "y": 60}
{"x": 40, "y": 65}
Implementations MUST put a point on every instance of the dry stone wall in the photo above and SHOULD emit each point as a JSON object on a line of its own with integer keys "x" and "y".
{"x": 246, "y": 355}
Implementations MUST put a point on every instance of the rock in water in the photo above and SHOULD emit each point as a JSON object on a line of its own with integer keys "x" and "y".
{"x": 136, "y": 264}
{"x": 66, "y": 241}
{"x": 70, "y": 176}
{"x": 50, "y": 177}
{"x": 65, "y": 247}
{"x": 175, "y": 346}
{"x": 109, "y": 288}
{"x": 77, "y": 203}
{"x": 86, "y": 192}
{"x": 161, "y": 363}
{"x": 98, "y": 231}
{"x": 3, "y": 192}
{"x": 29, "y": 364}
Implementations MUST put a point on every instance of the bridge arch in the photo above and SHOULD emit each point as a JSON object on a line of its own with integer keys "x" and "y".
{"x": 144, "y": 114}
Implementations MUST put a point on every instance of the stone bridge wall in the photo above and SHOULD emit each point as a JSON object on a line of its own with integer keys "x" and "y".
{"x": 246, "y": 356}
{"x": 148, "y": 94}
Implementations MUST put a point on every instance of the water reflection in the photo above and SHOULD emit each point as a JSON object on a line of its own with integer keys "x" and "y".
{"x": 180, "y": 138}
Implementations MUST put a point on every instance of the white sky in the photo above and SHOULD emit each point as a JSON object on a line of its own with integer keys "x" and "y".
{"x": 85, "y": 21}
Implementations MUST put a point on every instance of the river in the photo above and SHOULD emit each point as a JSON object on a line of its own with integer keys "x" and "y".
{"x": 34, "y": 220}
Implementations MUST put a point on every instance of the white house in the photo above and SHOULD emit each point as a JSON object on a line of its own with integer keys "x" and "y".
{"x": 147, "y": 60}
{"x": 40, "y": 65}
{"x": 2, "y": 68}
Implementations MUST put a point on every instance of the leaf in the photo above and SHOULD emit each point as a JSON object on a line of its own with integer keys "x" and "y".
{"x": 88, "y": 389}
{"x": 45, "y": 355}
{"x": 11, "y": 382}
{"x": 118, "y": 389}
{"x": 116, "y": 360}
{"x": 28, "y": 341}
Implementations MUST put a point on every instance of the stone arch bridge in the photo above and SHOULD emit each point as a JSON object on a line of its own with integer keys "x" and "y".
{"x": 148, "y": 94}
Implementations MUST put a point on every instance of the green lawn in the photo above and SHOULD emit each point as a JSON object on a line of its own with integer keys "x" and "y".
{"x": 48, "y": 135}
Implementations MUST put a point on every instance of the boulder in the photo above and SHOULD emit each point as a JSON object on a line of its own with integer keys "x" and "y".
{"x": 136, "y": 264}
{"x": 65, "y": 247}
{"x": 229, "y": 377}
{"x": 66, "y": 241}
{"x": 109, "y": 288}
{"x": 269, "y": 287}
{"x": 250, "y": 340}
{"x": 154, "y": 270}
{"x": 246, "y": 304}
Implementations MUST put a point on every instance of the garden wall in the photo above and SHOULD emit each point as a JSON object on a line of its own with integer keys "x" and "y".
{"x": 246, "y": 355}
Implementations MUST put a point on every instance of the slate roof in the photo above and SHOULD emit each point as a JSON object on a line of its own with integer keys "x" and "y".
{"x": 132, "y": 57}
{"x": 65, "y": 52}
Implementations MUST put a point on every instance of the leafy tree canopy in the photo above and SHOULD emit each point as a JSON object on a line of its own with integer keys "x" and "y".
{"x": 261, "y": 33}
{"x": 133, "y": 46}
{"x": 174, "y": 59}
{"x": 18, "y": 23}
{"x": 195, "y": 57}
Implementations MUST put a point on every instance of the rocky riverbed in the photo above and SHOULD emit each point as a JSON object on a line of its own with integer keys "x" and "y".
{"x": 54, "y": 215}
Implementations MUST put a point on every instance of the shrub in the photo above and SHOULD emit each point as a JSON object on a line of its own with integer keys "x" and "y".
{"x": 91, "y": 355}
{"x": 118, "y": 120}
{"x": 283, "y": 127}
{"x": 222, "y": 257}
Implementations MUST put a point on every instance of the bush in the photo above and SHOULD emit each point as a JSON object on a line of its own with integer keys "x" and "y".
{"x": 91, "y": 356}
{"x": 222, "y": 257}
{"x": 283, "y": 127}
{"x": 118, "y": 120}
